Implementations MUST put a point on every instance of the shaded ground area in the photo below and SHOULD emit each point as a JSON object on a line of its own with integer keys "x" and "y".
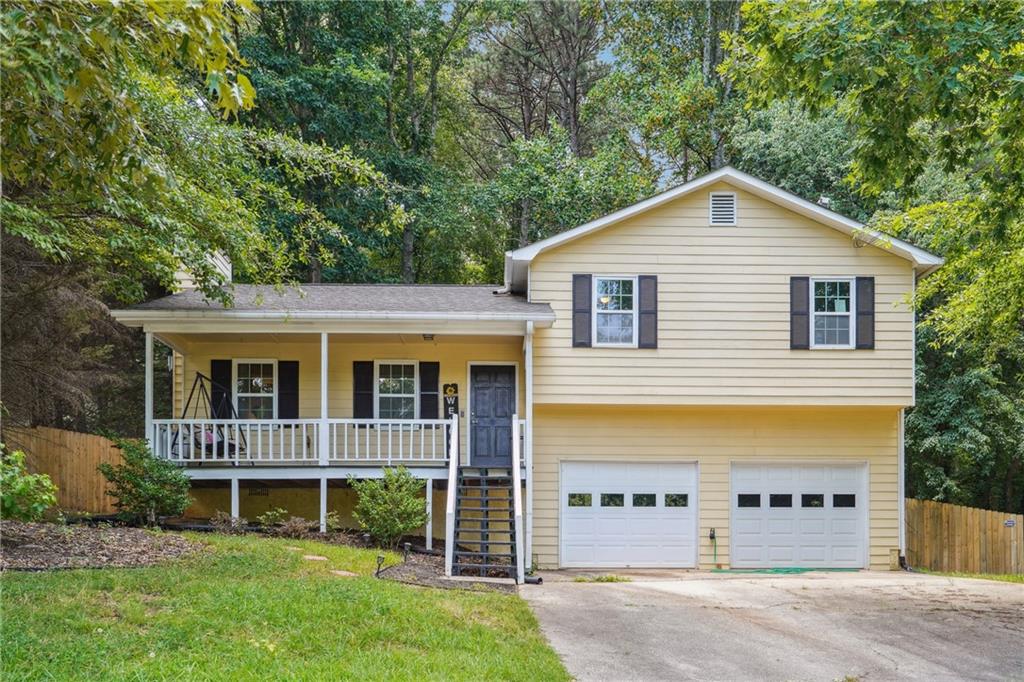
{"x": 818, "y": 626}
{"x": 42, "y": 546}
{"x": 427, "y": 570}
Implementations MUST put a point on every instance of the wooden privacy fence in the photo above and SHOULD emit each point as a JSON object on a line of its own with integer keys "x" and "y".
{"x": 71, "y": 460}
{"x": 948, "y": 537}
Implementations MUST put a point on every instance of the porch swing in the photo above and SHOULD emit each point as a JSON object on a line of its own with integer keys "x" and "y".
{"x": 215, "y": 439}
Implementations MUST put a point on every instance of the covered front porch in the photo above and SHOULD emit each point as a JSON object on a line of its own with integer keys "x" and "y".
{"x": 325, "y": 383}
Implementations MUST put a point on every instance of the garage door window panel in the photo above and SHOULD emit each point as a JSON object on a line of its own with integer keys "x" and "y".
{"x": 581, "y": 500}
{"x": 777, "y": 501}
{"x": 613, "y": 500}
{"x": 812, "y": 501}
{"x": 844, "y": 501}
{"x": 677, "y": 500}
{"x": 645, "y": 500}
{"x": 748, "y": 501}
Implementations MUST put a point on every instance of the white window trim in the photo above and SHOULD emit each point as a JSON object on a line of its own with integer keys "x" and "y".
{"x": 593, "y": 307}
{"x": 415, "y": 386}
{"x": 735, "y": 209}
{"x": 235, "y": 362}
{"x": 851, "y": 314}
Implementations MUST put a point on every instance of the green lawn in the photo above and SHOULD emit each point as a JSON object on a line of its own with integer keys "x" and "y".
{"x": 251, "y": 609}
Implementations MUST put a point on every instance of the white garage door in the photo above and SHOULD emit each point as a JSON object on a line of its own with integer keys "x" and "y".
{"x": 636, "y": 514}
{"x": 799, "y": 515}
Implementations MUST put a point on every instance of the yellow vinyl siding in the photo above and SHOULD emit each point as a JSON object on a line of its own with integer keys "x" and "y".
{"x": 715, "y": 438}
{"x": 723, "y": 313}
{"x": 453, "y": 352}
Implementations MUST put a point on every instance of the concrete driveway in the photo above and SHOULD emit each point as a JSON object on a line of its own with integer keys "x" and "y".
{"x": 816, "y": 626}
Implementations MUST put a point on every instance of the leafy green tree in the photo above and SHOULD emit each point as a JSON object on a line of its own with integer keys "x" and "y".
{"x": 23, "y": 496}
{"x": 965, "y": 435}
{"x": 808, "y": 156}
{"x": 113, "y": 159}
{"x": 666, "y": 89}
{"x": 145, "y": 487}
{"x": 913, "y": 80}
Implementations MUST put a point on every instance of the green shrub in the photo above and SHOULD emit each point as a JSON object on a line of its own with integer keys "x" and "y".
{"x": 333, "y": 522}
{"x": 146, "y": 487}
{"x": 23, "y": 496}
{"x": 390, "y": 507}
{"x": 222, "y": 522}
{"x": 274, "y": 517}
{"x": 295, "y": 528}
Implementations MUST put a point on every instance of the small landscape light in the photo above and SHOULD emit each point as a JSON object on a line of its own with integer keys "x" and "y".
{"x": 380, "y": 564}
{"x": 407, "y": 546}
{"x": 366, "y": 538}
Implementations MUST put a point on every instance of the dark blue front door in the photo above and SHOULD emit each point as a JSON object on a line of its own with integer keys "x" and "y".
{"x": 492, "y": 396}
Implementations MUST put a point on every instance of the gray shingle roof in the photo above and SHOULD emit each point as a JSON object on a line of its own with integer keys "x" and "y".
{"x": 358, "y": 298}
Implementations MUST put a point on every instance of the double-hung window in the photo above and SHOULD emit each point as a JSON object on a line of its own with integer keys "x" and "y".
{"x": 255, "y": 388}
{"x": 832, "y": 321}
{"x": 396, "y": 390}
{"x": 614, "y": 311}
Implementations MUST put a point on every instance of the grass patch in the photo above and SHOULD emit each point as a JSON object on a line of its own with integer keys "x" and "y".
{"x": 602, "y": 579}
{"x": 1002, "y": 577}
{"x": 250, "y": 609}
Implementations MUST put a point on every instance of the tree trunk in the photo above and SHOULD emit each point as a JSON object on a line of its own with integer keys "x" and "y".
{"x": 525, "y": 206}
{"x": 408, "y": 251}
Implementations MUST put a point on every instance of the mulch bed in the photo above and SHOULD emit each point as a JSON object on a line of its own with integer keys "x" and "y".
{"x": 46, "y": 546}
{"x": 427, "y": 570}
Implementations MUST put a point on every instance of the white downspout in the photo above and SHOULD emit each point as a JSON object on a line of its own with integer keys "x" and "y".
{"x": 901, "y": 485}
{"x": 528, "y": 362}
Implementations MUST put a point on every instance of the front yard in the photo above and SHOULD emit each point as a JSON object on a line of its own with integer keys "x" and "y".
{"x": 248, "y": 608}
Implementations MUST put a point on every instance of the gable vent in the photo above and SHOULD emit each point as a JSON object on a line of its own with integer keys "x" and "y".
{"x": 723, "y": 208}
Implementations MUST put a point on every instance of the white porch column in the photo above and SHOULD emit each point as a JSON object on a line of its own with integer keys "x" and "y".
{"x": 234, "y": 498}
{"x": 528, "y": 455}
{"x": 324, "y": 441}
{"x": 149, "y": 390}
{"x": 323, "y": 504}
{"x": 429, "y": 535}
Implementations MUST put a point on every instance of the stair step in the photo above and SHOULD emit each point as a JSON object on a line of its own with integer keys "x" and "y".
{"x": 485, "y": 477}
{"x": 484, "y": 566}
{"x": 485, "y": 542}
{"x": 496, "y": 555}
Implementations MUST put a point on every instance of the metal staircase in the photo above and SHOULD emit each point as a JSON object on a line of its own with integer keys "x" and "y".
{"x": 484, "y": 516}
{"x": 485, "y": 532}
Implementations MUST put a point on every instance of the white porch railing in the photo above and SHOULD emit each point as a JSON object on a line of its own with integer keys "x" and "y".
{"x": 224, "y": 441}
{"x": 297, "y": 441}
{"x": 408, "y": 441}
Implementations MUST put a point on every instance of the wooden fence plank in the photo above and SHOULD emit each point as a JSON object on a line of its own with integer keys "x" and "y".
{"x": 953, "y": 538}
{"x": 71, "y": 460}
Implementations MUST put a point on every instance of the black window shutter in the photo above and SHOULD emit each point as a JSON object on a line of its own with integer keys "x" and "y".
{"x": 648, "y": 311}
{"x": 581, "y": 296}
{"x": 429, "y": 393}
{"x": 288, "y": 389}
{"x": 865, "y": 312}
{"x": 799, "y": 313}
{"x": 220, "y": 389}
{"x": 362, "y": 389}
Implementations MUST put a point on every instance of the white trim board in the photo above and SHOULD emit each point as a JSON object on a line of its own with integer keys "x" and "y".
{"x": 517, "y": 261}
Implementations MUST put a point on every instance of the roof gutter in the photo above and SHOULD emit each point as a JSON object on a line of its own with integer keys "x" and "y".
{"x": 129, "y": 316}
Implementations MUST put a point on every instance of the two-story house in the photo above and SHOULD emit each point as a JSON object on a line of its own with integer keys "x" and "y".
{"x": 715, "y": 376}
